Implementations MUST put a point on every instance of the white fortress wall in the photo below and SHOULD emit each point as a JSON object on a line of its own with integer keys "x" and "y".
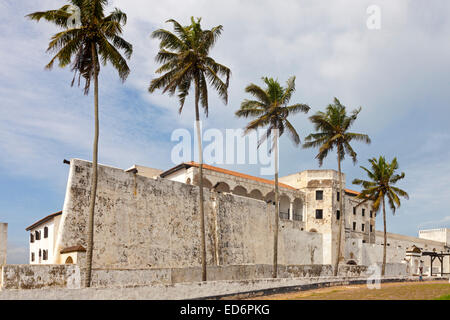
{"x": 147, "y": 223}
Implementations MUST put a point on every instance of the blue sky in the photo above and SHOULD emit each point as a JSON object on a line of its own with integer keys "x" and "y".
{"x": 399, "y": 75}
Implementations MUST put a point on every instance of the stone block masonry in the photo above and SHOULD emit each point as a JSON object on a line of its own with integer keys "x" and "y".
{"x": 153, "y": 223}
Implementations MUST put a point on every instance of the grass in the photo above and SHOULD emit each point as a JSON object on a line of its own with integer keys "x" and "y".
{"x": 427, "y": 290}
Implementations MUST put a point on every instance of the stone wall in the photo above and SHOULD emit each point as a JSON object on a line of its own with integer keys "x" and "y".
{"x": 71, "y": 276}
{"x": 3, "y": 242}
{"x": 40, "y": 276}
{"x": 146, "y": 223}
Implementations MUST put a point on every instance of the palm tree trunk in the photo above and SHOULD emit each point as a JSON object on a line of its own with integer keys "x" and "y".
{"x": 383, "y": 266}
{"x": 200, "y": 184}
{"x": 94, "y": 177}
{"x": 277, "y": 208}
{"x": 341, "y": 217}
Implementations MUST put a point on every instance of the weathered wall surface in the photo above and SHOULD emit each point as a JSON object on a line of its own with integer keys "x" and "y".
{"x": 147, "y": 223}
{"x": 3, "y": 242}
{"x": 71, "y": 276}
{"x": 40, "y": 276}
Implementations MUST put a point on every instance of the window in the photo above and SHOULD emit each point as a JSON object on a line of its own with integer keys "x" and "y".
{"x": 363, "y": 212}
{"x": 319, "y": 194}
{"x": 338, "y": 196}
{"x": 37, "y": 235}
{"x": 32, "y": 256}
{"x": 31, "y": 238}
{"x": 338, "y": 215}
{"x": 371, "y": 213}
{"x": 45, "y": 255}
{"x": 319, "y": 213}
{"x": 354, "y": 226}
{"x": 362, "y": 227}
{"x": 40, "y": 253}
{"x": 46, "y": 232}
{"x": 354, "y": 210}
{"x": 371, "y": 228}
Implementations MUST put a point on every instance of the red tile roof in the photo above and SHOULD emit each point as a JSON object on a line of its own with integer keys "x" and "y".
{"x": 353, "y": 192}
{"x": 225, "y": 171}
{"x": 43, "y": 220}
{"x": 73, "y": 249}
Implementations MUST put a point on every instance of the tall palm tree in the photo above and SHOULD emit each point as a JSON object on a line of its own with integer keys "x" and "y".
{"x": 95, "y": 36}
{"x": 271, "y": 111}
{"x": 332, "y": 131}
{"x": 184, "y": 55}
{"x": 383, "y": 177}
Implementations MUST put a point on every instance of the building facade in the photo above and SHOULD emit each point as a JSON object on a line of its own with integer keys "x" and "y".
{"x": 146, "y": 218}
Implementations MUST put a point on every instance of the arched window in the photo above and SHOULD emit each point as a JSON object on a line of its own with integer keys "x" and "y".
{"x": 69, "y": 260}
{"x": 46, "y": 232}
{"x": 31, "y": 238}
{"x": 37, "y": 235}
{"x": 40, "y": 253}
{"x": 45, "y": 255}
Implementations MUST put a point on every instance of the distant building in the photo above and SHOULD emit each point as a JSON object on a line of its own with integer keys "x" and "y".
{"x": 144, "y": 221}
{"x": 42, "y": 239}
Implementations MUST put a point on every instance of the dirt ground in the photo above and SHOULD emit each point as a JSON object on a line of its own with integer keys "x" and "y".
{"x": 427, "y": 290}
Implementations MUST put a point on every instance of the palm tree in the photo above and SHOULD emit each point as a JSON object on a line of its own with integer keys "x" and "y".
{"x": 95, "y": 36}
{"x": 381, "y": 184}
{"x": 271, "y": 111}
{"x": 332, "y": 132}
{"x": 185, "y": 60}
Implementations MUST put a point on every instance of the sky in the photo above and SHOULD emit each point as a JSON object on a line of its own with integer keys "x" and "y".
{"x": 399, "y": 74}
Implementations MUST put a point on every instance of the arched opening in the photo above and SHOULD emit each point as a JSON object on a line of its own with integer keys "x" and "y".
{"x": 46, "y": 232}
{"x": 270, "y": 197}
{"x": 222, "y": 187}
{"x": 207, "y": 184}
{"x": 240, "y": 191}
{"x": 297, "y": 208}
{"x": 188, "y": 181}
{"x": 69, "y": 260}
{"x": 351, "y": 262}
{"x": 256, "y": 194}
{"x": 312, "y": 230}
{"x": 285, "y": 204}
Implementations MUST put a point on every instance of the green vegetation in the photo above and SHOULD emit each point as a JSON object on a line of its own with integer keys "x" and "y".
{"x": 381, "y": 184}
{"x": 185, "y": 60}
{"x": 332, "y": 131}
{"x": 271, "y": 111}
{"x": 97, "y": 36}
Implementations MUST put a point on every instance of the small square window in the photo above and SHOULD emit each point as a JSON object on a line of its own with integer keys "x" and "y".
{"x": 319, "y": 214}
{"x": 319, "y": 194}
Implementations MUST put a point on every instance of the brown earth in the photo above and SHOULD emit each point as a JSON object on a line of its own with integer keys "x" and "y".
{"x": 389, "y": 291}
